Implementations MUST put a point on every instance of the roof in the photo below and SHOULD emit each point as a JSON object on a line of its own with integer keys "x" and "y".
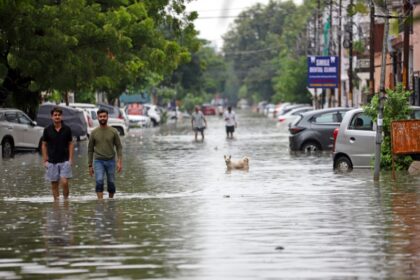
{"x": 135, "y": 98}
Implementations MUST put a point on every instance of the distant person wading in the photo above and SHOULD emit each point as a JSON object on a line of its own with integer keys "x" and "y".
{"x": 103, "y": 142}
{"x": 198, "y": 122}
{"x": 230, "y": 122}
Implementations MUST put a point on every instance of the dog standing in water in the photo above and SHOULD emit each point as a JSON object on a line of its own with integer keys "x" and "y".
{"x": 242, "y": 164}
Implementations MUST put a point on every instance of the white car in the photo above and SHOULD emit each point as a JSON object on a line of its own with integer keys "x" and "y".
{"x": 18, "y": 132}
{"x": 354, "y": 140}
{"x": 118, "y": 124}
{"x": 292, "y": 115}
{"x": 136, "y": 115}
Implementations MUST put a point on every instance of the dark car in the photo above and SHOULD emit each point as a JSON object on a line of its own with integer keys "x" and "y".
{"x": 208, "y": 110}
{"x": 72, "y": 117}
{"x": 313, "y": 131}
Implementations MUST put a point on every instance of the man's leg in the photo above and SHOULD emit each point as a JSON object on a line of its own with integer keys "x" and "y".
{"x": 99, "y": 178}
{"x": 65, "y": 185}
{"x": 196, "y": 133}
{"x": 54, "y": 189}
{"x": 65, "y": 174}
{"x": 202, "y": 134}
{"x": 110, "y": 177}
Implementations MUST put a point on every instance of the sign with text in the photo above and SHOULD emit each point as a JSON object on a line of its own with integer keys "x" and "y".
{"x": 323, "y": 71}
{"x": 405, "y": 137}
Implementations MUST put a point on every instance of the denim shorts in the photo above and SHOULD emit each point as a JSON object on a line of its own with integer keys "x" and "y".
{"x": 102, "y": 168}
{"x": 55, "y": 171}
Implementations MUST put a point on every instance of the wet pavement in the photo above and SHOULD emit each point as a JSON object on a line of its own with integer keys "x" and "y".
{"x": 179, "y": 214}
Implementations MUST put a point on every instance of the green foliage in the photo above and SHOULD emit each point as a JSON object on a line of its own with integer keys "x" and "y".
{"x": 190, "y": 101}
{"x": 87, "y": 45}
{"x": 267, "y": 49}
{"x": 291, "y": 85}
{"x": 395, "y": 108}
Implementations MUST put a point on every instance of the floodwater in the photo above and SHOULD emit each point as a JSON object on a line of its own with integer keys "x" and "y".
{"x": 178, "y": 214}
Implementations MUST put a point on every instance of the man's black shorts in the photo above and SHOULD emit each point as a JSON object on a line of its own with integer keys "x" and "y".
{"x": 230, "y": 129}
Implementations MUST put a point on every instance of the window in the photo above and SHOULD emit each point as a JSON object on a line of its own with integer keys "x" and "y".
{"x": 23, "y": 119}
{"x": 11, "y": 117}
{"x": 361, "y": 122}
{"x": 326, "y": 118}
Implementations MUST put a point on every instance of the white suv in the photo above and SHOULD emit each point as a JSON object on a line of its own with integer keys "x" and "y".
{"x": 18, "y": 132}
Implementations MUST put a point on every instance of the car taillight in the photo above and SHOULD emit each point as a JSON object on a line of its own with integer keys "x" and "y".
{"x": 335, "y": 135}
{"x": 120, "y": 116}
{"x": 296, "y": 129}
{"x": 282, "y": 119}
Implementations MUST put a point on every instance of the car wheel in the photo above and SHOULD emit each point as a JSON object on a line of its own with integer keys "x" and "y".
{"x": 311, "y": 147}
{"x": 7, "y": 149}
{"x": 343, "y": 164}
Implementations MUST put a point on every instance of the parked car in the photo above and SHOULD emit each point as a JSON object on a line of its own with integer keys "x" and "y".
{"x": 135, "y": 113}
{"x": 18, "y": 132}
{"x": 285, "y": 108}
{"x": 118, "y": 124}
{"x": 354, "y": 140}
{"x": 74, "y": 118}
{"x": 83, "y": 107}
{"x": 292, "y": 115}
{"x": 208, "y": 110}
{"x": 313, "y": 130}
{"x": 115, "y": 112}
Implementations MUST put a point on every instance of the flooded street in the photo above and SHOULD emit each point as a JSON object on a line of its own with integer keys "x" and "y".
{"x": 179, "y": 214}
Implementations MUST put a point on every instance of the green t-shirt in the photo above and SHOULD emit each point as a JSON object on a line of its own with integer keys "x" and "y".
{"x": 102, "y": 142}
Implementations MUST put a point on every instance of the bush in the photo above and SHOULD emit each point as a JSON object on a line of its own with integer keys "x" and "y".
{"x": 396, "y": 107}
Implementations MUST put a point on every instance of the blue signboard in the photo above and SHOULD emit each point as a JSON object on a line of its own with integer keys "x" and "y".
{"x": 323, "y": 71}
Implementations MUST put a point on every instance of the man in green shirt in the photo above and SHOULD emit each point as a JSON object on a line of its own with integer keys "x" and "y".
{"x": 103, "y": 142}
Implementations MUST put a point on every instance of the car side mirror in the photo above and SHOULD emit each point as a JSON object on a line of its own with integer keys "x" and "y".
{"x": 33, "y": 123}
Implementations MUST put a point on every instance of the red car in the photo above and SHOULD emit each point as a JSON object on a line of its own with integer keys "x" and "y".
{"x": 208, "y": 110}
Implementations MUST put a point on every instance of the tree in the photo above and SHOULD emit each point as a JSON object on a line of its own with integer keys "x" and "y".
{"x": 78, "y": 45}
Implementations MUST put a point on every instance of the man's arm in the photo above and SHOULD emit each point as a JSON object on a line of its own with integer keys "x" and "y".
{"x": 118, "y": 145}
{"x": 44, "y": 153}
{"x": 91, "y": 146}
{"x": 71, "y": 152}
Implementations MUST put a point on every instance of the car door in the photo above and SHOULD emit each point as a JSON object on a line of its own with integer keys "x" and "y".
{"x": 15, "y": 129}
{"x": 359, "y": 139}
{"x": 323, "y": 126}
{"x": 31, "y": 135}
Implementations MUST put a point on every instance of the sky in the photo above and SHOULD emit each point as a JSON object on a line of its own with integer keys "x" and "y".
{"x": 215, "y": 16}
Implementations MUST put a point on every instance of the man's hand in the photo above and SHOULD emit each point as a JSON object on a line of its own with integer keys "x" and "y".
{"x": 46, "y": 163}
{"x": 91, "y": 172}
{"x": 119, "y": 166}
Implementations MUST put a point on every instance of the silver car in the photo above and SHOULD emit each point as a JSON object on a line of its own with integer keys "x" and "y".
{"x": 18, "y": 132}
{"x": 354, "y": 140}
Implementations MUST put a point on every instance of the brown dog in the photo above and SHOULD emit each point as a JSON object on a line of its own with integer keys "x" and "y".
{"x": 239, "y": 164}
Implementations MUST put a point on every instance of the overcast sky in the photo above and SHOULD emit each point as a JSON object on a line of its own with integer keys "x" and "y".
{"x": 215, "y": 16}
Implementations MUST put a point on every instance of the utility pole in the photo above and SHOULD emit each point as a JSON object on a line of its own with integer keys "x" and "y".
{"x": 339, "y": 53}
{"x": 406, "y": 43}
{"x": 372, "y": 49}
{"x": 350, "y": 72}
{"x": 379, "y": 128}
